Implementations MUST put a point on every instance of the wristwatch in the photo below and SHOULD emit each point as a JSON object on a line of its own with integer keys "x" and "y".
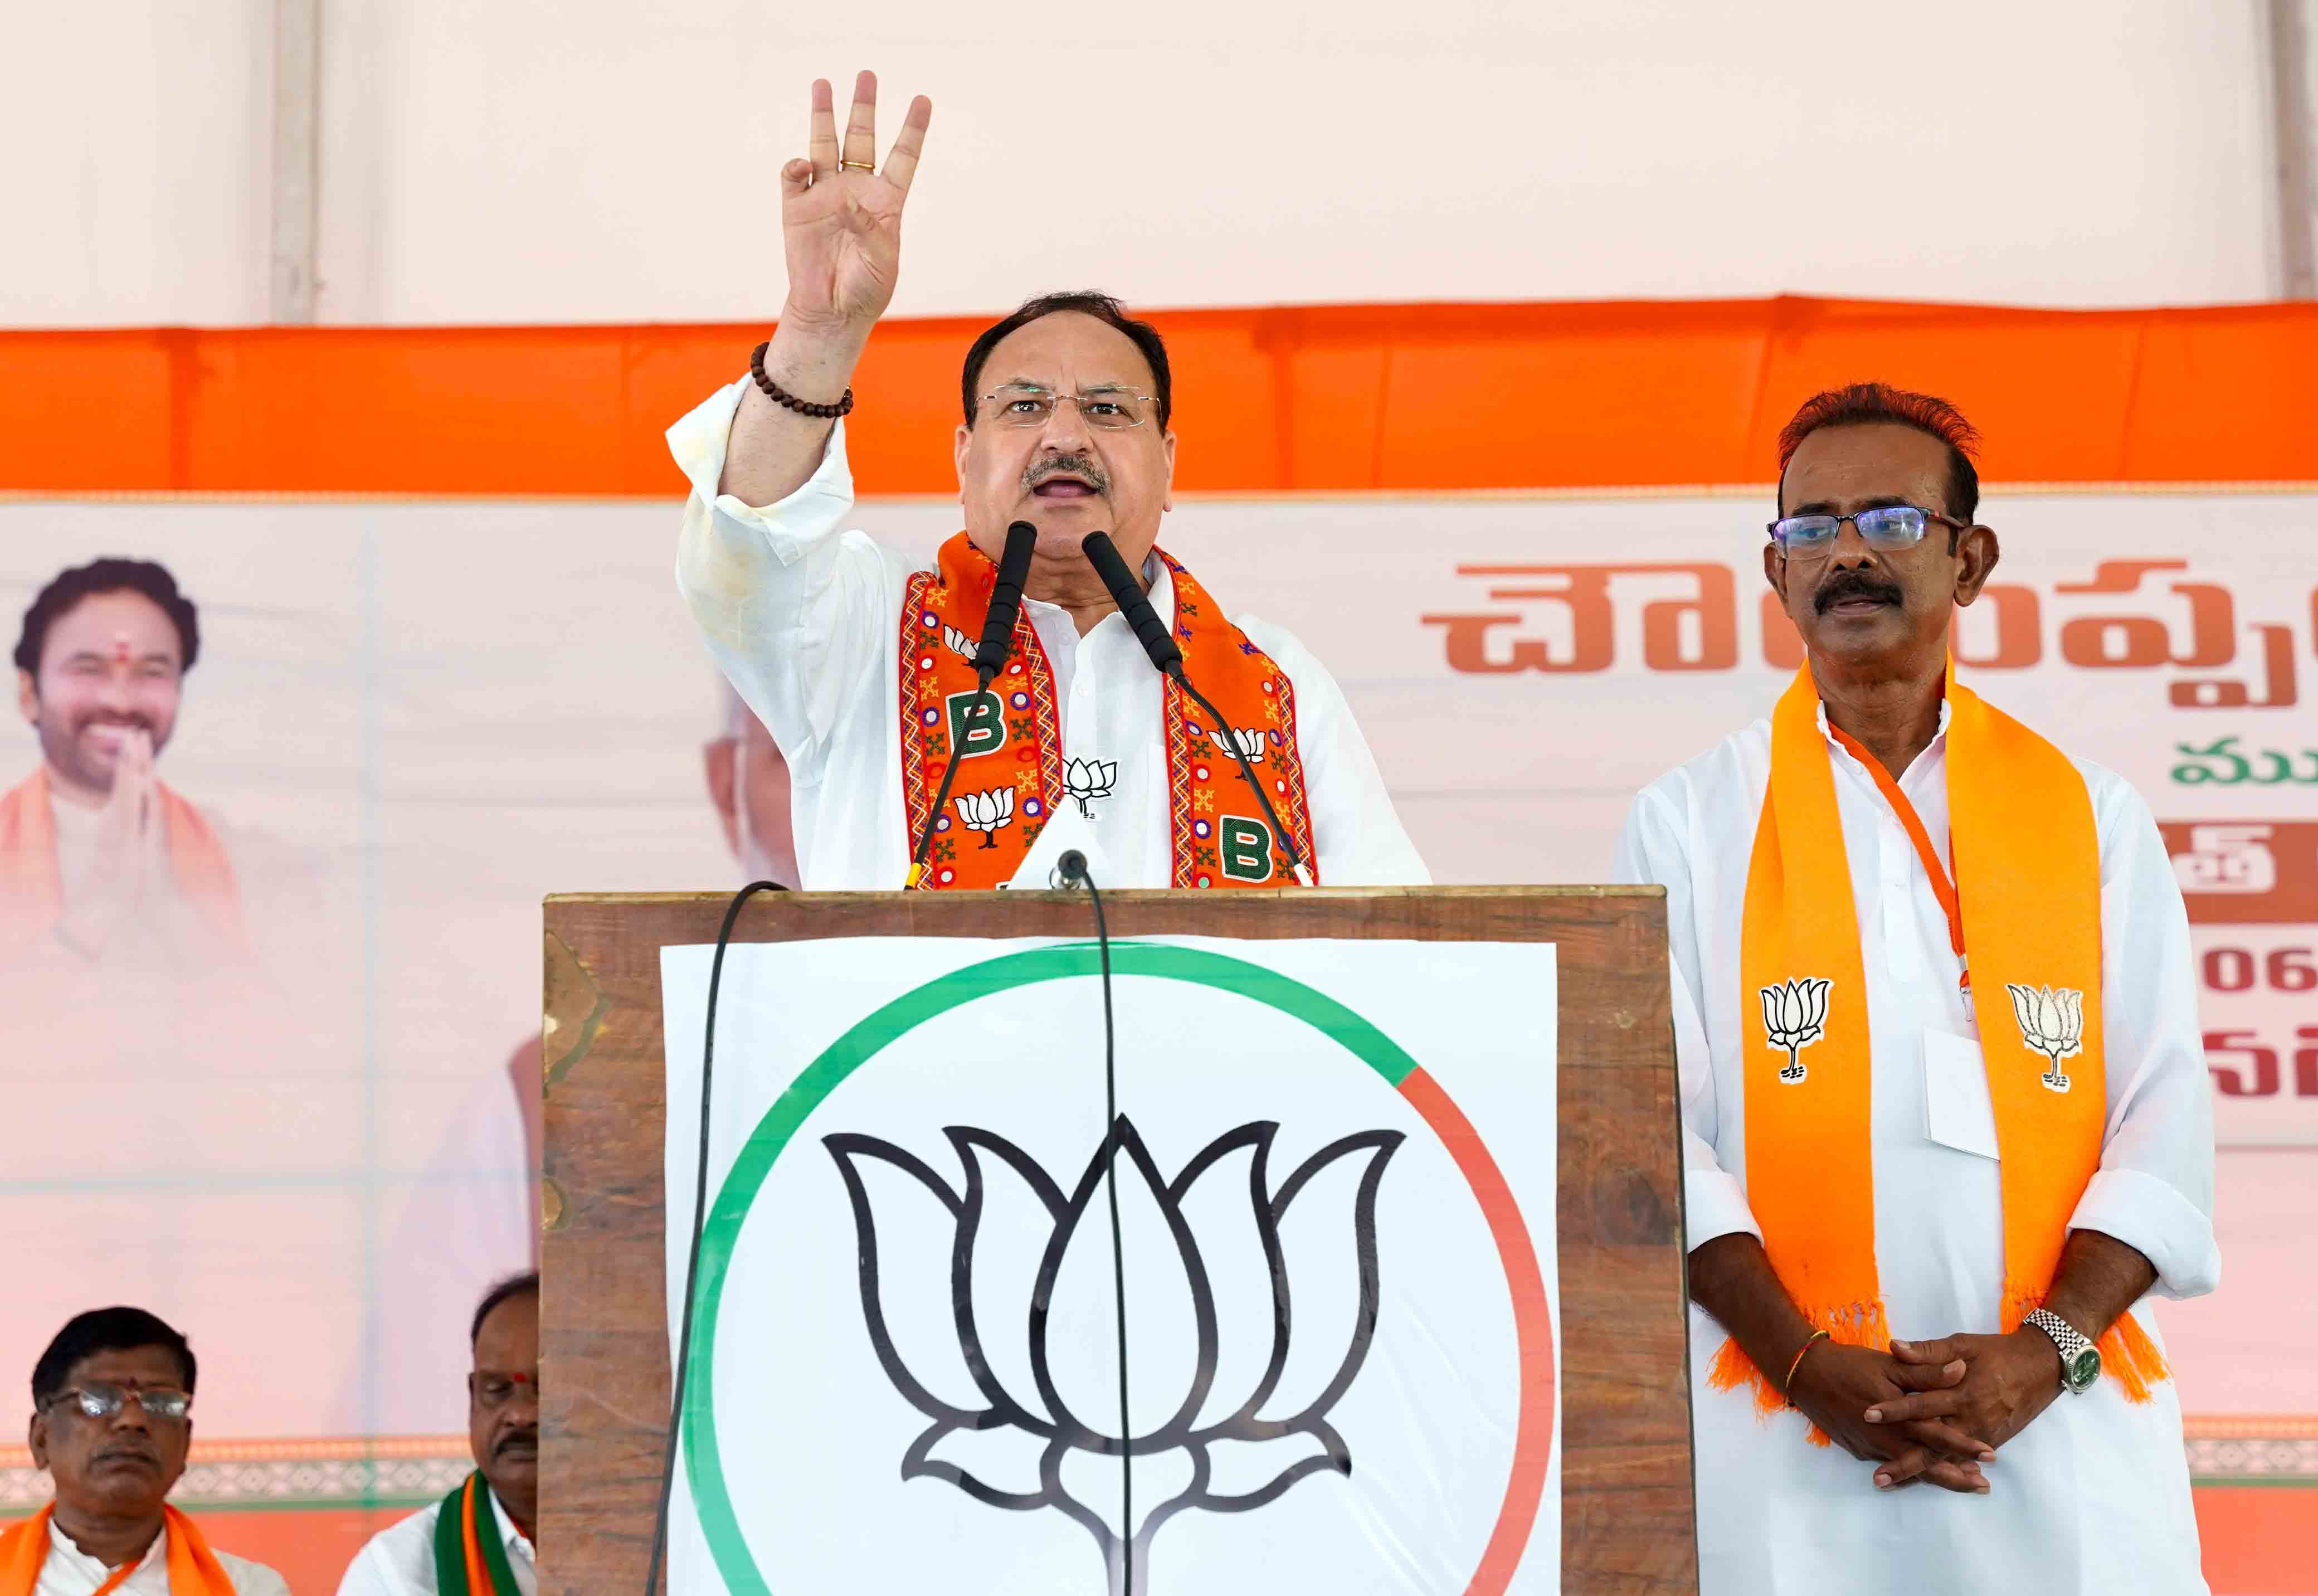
{"x": 2080, "y": 1360}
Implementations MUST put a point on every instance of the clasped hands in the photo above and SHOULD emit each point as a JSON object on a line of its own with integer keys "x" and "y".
{"x": 1932, "y": 1411}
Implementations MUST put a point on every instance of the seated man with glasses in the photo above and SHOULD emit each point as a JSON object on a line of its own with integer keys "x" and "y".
{"x": 479, "y": 1539}
{"x": 860, "y": 663}
{"x": 1944, "y": 1096}
{"x": 112, "y": 1402}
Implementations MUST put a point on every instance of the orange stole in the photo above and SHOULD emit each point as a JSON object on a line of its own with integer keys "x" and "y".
{"x": 1007, "y": 791}
{"x": 32, "y": 887}
{"x": 2027, "y": 868}
{"x": 193, "y": 1568}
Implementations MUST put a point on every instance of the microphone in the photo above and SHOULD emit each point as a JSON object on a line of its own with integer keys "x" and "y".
{"x": 1167, "y": 659}
{"x": 989, "y": 659}
{"x": 1005, "y": 601}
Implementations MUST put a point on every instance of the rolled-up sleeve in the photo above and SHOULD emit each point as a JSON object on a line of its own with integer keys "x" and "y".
{"x": 1653, "y": 848}
{"x": 793, "y": 606}
{"x": 2154, "y": 1189}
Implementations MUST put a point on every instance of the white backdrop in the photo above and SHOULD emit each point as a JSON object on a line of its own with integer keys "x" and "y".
{"x": 595, "y": 160}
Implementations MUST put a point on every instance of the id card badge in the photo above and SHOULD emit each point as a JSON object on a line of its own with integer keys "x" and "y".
{"x": 1958, "y": 1112}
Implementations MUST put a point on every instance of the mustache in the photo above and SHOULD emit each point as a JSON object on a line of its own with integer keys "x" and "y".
{"x": 143, "y": 723}
{"x": 1082, "y": 466}
{"x": 528, "y": 1435}
{"x": 126, "y": 1450}
{"x": 1854, "y": 584}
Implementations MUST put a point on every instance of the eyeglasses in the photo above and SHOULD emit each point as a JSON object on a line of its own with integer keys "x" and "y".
{"x": 1026, "y": 404}
{"x": 103, "y": 1402}
{"x": 1888, "y": 528}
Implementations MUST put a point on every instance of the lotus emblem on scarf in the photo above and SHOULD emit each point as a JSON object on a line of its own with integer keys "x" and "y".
{"x": 2051, "y": 1023}
{"x": 1794, "y": 1016}
{"x": 1087, "y": 779}
{"x": 987, "y": 812}
{"x": 1248, "y": 742}
{"x": 1279, "y": 1427}
{"x": 959, "y": 643}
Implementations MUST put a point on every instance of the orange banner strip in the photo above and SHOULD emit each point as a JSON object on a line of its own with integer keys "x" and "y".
{"x": 1398, "y": 398}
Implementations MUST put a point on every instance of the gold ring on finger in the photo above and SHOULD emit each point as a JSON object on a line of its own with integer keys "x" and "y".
{"x": 855, "y": 166}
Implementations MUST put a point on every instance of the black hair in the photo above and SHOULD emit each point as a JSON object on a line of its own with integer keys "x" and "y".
{"x": 110, "y": 576}
{"x": 515, "y": 1286}
{"x": 1860, "y": 404}
{"x": 104, "y": 1330}
{"x": 1086, "y": 303}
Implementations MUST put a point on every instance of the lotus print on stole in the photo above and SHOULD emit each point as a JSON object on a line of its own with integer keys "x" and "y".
{"x": 2051, "y": 1023}
{"x": 1088, "y": 779}
{"x": 988, "y": 813}
{"x": 1794, "y": 1016}
{"x": 1248, "y": 741}
{"x": 959, "y": 642}
{"x": 1245, "y": 1423}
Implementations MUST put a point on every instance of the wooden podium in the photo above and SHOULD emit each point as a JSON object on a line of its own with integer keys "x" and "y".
{"x": 1626, "y": 1510}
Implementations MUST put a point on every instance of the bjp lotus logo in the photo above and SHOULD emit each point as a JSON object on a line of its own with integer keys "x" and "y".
{"x": 1274, "y": 1414}
{"x": 1231, "y": 744}
{"x": 988, "y": 813}
{"x": 2051, "y": 1023}
{"x": 959, "y": 644}
{"x": 1087, "y": 779}
{"x": 1794, "y": 1016}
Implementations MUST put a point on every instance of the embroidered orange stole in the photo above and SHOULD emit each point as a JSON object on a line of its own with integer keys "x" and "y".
{"x": 2028, "y": 870}
{"x": 193, "y": 1569}
{"x": 1013, "y": 774}
{"x": 32, "y": 885}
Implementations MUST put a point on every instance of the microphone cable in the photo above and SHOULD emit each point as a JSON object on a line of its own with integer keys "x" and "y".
{"x": 1135, "y": 604}
{"x": 989, "y": 659}
{"x": 692, "y": 1254}
{"x": 1072, "y": 869}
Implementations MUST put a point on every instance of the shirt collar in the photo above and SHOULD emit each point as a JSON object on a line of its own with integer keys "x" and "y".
{"x": 59, "y": 1542}
{"x": 513, "y": 1539}
{"x": 1938, "y": 737}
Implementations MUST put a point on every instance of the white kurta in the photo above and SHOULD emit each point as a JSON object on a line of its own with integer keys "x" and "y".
{"x": 399, "y": 1559}
{"x": 71, "y": 1571}
{"x": 804, "y": 617}
{"x": 2093, "y": 1497}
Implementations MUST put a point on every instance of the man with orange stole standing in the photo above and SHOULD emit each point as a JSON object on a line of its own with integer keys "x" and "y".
{"x": 860, "y": 662}
{"x": 1943, "y": 1095}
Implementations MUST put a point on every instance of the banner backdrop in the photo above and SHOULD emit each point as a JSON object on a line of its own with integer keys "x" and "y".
{"x": 411, "y": 720}
{"x": 906, "y": 1372}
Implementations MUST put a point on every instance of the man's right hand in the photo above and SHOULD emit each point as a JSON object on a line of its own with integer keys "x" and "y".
{"x": 841, "y": 238}
{"x": 1827, "y": 1386}
{"x": 128, "y": 856}
{"x": 842, "y": 222}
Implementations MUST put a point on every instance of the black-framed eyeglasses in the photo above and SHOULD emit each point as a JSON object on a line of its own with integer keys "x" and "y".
{"x": 99, "y": 1401}
{"x": 1888, "y": 528}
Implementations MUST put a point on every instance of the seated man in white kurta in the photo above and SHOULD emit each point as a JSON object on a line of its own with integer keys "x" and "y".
{"x": 1944, "y": 1096}
{"x": 856, "y": 660}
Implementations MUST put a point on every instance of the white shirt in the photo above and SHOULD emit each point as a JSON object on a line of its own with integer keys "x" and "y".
{"x": 399, "y": 1559}
{"x": 71, "y": 1571}
{"x": 805, "y": 618}
{"x": 2094, "y": 1495}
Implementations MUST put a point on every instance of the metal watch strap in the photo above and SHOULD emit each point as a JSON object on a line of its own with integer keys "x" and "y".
{"x": 2065, "y": 1335}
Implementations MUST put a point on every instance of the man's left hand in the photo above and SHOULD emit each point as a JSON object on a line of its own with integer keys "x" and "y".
{"x": 2007, "y": 1381}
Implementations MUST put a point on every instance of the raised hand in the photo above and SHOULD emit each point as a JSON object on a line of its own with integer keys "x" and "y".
{"x": 128, "y": 857}
{"x": 841, "y": 218}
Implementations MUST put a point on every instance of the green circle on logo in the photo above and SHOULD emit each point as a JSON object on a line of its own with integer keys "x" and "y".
{"x": 712, "y": 1500}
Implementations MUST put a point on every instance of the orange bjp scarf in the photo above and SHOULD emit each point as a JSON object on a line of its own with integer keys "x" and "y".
{"x": 1012, "y": 775}
{"x": 31, "y": 887}
{"x": 193, "y": 1569}
{"x": 2028, "y": 871}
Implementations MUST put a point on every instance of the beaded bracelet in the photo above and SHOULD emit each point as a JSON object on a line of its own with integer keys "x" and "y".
{"x": 802, "y": 407}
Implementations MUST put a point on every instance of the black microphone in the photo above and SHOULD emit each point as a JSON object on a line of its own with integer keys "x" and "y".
{"x": 1134, "y": 603}
{"x": 1005, "y": 601}
{"x": 1149, "y": 630}
{"x": 989, "y": 659}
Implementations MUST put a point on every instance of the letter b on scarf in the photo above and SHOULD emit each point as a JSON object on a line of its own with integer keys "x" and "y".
{"x": 1244, "y": 846}
{"x": 977, "y": 724}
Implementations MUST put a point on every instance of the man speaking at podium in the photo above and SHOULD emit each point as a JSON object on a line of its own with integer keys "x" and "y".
{"x": 863, "y": 666}
{"x": 1943, "y": 1097}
